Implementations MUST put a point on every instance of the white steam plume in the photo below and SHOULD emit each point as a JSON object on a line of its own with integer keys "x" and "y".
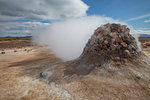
{"x": 68, "y": 38}
{"x": 136, "y": 36}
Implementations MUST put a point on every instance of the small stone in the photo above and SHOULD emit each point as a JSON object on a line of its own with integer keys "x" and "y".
{"x": 3, "y": 52}
{"x": 91, "y": 42}
{"x": 122, "y": 35}
{"x": 129, "y": 47}
{"x": 105, "y": 33}
{"x": 95, "y": 41}
{"x": 118, "y": 39}
{"x": 113, "y": 35}
{"x": 98, "y": 30}
{"x": 113, "y": 40}
{"x": 97, "y": 48}
{"x": 119, "y": 47}
{"x": 109, "y": 41}
{"x": 123, "y": 28}
{"x": 127, "y": 53}
{"x": 117, "y": 58}
{"x": 113, "y": 47}
{"x": 15, "y": 50}
{"x": 100, "y": 35}
{"x": 119, "y": 36}
{"x": 93, "y": 37}
{"x": 108, "y": 26}
{"x": 133, "y": 47}
{"x": 116, "y": 28}
{"x": 127, "y": 40}
{"x": 101, "y": 40}
{"x": 124, "y": 44}
{"x": 104, "y": 47}
{"x": 138, "y": 76}
{"x": 105, "y": 42}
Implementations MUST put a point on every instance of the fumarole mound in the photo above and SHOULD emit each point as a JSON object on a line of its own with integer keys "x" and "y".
{"x": 110, "y": 42}
{"x": 110, "y": 68}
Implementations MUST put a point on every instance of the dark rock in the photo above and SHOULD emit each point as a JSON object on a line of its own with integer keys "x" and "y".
{"x": 15, "y": 50}
{"x": 2, "y": 52}
{"x": 138, "y": 76}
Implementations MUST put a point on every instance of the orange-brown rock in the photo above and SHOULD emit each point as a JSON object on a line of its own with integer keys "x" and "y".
{"x": 111, "y": 42}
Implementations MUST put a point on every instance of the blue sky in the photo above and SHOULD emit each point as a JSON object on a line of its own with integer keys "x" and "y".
{"x": 18, "y": 19}
{"x": 122, "y": 10}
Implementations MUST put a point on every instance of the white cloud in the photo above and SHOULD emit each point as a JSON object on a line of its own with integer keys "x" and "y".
{"x": 147, "y": 21}
{"x": 139, "y": 31}
{"x": 19, "y": 28}
{"x": 41, "y": 9}
{"x": 138, "y": 17}
{"x": 12, "y": 10}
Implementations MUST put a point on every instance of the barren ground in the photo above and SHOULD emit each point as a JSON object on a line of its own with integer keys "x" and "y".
{"x": 22, "y": 62}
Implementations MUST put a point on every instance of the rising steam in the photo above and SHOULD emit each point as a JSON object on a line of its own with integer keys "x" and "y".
{"x": 68, "y": 38}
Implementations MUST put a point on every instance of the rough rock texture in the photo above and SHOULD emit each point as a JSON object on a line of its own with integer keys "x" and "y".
{"x": 110, "y": 68}
{"x": 109, "y": 42}
{"x": 112, "y": 40}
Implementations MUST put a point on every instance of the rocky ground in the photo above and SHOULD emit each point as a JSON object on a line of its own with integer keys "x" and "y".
{"x": 21, "y": 67}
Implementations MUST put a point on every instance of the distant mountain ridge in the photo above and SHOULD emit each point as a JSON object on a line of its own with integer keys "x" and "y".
{"x": 141, "y": 35}
{"x": 144, "y": 35}
{"x": 15, "y": 36}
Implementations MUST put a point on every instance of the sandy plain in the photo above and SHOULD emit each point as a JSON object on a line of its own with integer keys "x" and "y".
{"x": 21, "y": 62}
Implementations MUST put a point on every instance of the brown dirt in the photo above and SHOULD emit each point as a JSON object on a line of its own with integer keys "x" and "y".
{"x": 9, "y": 43}
{"x": 19, "y": 78}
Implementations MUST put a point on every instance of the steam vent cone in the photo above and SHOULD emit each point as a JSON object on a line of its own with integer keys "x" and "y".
{"x": 110, "y": 42}
{"x": 110, "y": 67}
